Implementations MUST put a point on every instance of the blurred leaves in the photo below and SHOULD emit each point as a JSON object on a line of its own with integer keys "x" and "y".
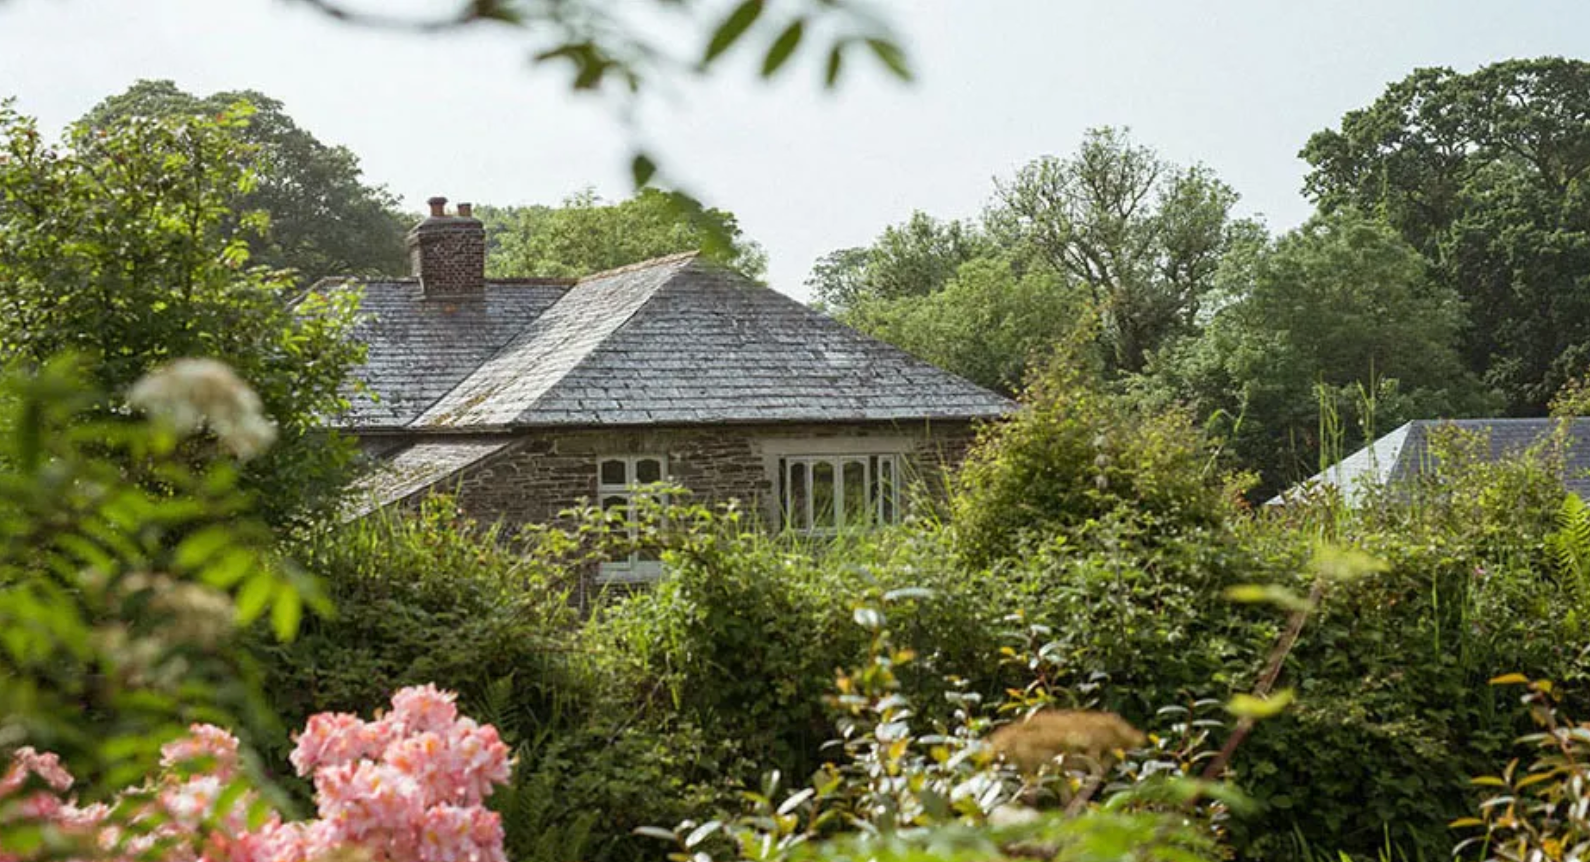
{"x": 126, "y": 571}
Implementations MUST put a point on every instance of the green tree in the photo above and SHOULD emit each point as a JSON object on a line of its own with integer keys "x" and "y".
{"x": 839, "y": 277}
{"x": 324, "y": 219}
{"x": 1342, "y": 302}
{"x": 1485, "y": 174}
{"x": 913, "y": 259}
{"x": 1143, "y": 236}
{"x": 587, "y": 234}
{"x": 991, "y": 320}
{"x": 120, "y": 246}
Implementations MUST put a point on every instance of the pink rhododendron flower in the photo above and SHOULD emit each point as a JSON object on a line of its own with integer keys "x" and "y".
{"x": 407, "y": 787}
{"x": 333, "y": 738}
{"x": 454, "y": 834}
{"x": 204, "y": 741}
{"x": 26, "y": 761}
{"x": 423, "y": 708}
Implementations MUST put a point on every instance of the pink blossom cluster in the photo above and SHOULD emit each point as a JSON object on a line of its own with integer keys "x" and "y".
{"x": 409, "y": 786}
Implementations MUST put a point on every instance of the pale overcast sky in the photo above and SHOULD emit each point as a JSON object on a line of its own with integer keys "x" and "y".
{"x": 1236, "y": 84}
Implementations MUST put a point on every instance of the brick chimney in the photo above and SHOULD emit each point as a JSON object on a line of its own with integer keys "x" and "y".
{"x": 448, "y": 253}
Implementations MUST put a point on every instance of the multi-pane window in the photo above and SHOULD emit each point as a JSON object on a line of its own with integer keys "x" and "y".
{"x": 617, "y": 481}
{"x": 824, "y": 494}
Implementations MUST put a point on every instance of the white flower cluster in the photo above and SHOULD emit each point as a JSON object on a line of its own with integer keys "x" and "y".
{"x": 192, "y": 393}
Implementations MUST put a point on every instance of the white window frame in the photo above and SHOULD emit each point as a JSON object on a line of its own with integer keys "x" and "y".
{"x": 882, "y": 511}
{"x": 632, "y": 569}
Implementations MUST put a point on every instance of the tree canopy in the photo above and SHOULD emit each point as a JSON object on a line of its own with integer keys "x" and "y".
{"x": 991, "y": 321}
{"x": 120, "y": 246}
{"x": 1485, "y": 174}
{"x": 1142, "y": 235}
{"x": 916, "y": 258}
{"x": 325, "y": 220}
{"x": 1113, "y": 240}
{"x": 587, "y": 234}
{"x": 1339, "y": 314}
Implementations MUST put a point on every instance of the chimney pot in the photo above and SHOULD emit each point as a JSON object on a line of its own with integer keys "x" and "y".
{"x": 465, "y": 210}
{"x": 448, "y": 255}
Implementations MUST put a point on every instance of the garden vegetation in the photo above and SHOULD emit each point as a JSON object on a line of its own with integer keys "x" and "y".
{"x": 1090, "y": 645}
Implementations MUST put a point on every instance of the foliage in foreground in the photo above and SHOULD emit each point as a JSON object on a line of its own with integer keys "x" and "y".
{"x": 124, "y": 570}
{"x": 409, "y": 786}
{"x": 670, "y": 705}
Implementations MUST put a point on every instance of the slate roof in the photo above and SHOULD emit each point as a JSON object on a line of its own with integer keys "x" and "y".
{"x": 1405, "y": 453}
{"x": 416, "y": 468}
{"x": 677, "y": 340}
{"x": 419, "y": 349}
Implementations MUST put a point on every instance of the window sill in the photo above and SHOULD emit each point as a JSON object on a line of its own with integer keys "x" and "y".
{"x": 638, "y": 573}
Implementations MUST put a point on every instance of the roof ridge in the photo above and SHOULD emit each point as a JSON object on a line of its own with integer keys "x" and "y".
{"x": 645, "y": 264}
{"x": 547, "y": 318}
{"x": 533, "y": 281}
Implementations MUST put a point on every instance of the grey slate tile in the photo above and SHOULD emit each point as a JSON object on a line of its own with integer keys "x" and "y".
{"x": 416, "y": 468}
{"x": 1405, "y": 453}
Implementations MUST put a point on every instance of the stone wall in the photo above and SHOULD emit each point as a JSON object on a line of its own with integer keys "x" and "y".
{"x": 548, "y": 471}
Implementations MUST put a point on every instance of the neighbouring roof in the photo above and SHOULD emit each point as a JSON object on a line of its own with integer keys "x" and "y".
{"x": 677, "y": 340}
{"x": 1405, "y": 453}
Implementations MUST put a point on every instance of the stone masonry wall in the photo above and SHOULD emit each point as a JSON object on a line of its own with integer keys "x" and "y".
{"x": 548, "y": 471}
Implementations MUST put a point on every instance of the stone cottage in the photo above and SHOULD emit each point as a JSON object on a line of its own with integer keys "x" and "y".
{"x": 524, "y": 396}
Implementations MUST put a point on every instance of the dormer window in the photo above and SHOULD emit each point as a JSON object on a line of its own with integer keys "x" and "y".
{"x": 618, "y": 480}
{"x": 823, "y": 495}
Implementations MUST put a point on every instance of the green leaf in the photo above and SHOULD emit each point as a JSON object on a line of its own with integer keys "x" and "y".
{"x": 783, "y": 47}
{"x": 892, "y": 57}
{"x": 836, "y": 60}
{"x": 1344, "y": 564}
{"x": 1268, "y": 594}
{"x": 1257, "y": 708}
{"x": 286, "y": 614}
{"x": 23, "y": 838}
{"x": 795, "y": 801}
{"x": 732, "y": 28}
{"x": 643, "y": 169}
{"x": 253, "y": 597}
{"x": 199, "y": 548}
{"x": 701, "y": 833}
{"x": 231, "y": 566}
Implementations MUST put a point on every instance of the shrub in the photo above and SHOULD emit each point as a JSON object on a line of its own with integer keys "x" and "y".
{"x": 1394, "y": 712}
{"x": 745, "y": 634}
{"x": 425, "y": 596}
{"x": 1075, "y": 454}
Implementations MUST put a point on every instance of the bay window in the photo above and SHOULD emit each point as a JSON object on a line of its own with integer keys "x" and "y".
{"x": 821, "y": 495}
